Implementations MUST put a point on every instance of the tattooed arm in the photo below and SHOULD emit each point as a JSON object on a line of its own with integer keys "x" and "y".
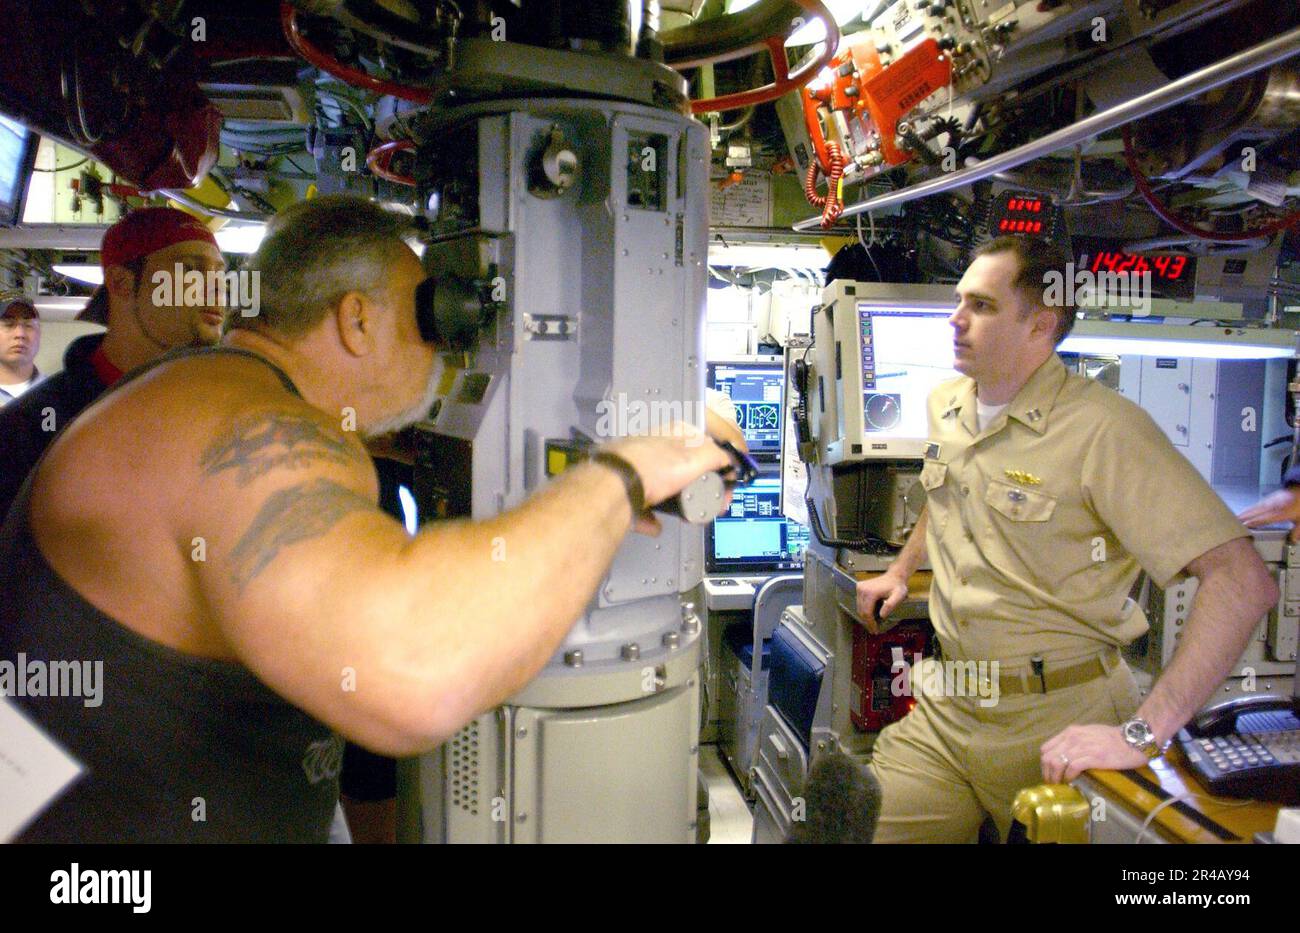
{"x": 398, "y": 641}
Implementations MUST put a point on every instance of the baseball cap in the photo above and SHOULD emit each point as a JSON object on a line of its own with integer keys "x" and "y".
{"x": 135, "y": 236}
{"x": 20, "y": 307}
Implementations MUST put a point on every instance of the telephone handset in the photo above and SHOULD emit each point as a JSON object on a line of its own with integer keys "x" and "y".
{"x": 1247, "y": 747}
{"x": 1221, "y": 718}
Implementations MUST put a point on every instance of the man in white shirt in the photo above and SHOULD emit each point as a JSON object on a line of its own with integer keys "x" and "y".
{"x": 20, "y": 338}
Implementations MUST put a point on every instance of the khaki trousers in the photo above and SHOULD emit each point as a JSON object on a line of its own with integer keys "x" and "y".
{"x": 951, "y": 761}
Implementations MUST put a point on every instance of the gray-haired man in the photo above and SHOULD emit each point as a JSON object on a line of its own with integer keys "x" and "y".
{"x": 227, "y": 559}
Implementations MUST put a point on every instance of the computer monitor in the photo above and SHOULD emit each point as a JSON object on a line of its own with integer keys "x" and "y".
{"x": 754, "y": 387}
{"x": 906, "y": 352}
{"x": 754, "y": 537}
{"x": 878, "y": 351}
{"x": 17, "y": 156}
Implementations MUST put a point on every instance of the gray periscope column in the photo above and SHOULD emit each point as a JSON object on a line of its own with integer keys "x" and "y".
{"x": 584, "y": 223}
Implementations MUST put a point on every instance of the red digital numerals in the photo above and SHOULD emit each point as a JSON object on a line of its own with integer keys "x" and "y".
{"x": 1164, "y": 267}
{"x": 1021, "y": 224}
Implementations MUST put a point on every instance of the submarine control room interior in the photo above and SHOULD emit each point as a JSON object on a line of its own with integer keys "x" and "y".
{"x": 697, "y": 421}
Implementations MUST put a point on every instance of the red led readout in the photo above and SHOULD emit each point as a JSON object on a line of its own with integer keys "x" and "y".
{"x": 1162, "y": 267}
{"x": 1021, "y": 215}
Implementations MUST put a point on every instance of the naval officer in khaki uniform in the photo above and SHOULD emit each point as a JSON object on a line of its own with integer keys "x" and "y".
{"x": 1046, "y": 492}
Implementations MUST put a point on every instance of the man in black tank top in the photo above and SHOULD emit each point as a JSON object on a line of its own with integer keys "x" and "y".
{"x": 209, "y": 530}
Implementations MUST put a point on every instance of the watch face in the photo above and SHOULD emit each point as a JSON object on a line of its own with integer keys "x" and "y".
{"x": 1137, "y": 732}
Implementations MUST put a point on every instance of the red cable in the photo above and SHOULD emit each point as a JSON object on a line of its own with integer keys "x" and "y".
{"x": 331, "y": 65}
{"x": 1165, "y": 214}
{"x": 813, "y": 124}
{"x": 831, "y": 205}
{"x": 380, "y": 156}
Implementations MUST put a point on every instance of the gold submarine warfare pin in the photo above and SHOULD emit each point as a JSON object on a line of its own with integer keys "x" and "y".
{"x": 1023, "y": 478}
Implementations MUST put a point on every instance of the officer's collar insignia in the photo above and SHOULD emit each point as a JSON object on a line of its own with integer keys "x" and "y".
{"x": 1034, "y": 414}
{"x": 932, "y": 451}
{"x": 1023, "y": 478}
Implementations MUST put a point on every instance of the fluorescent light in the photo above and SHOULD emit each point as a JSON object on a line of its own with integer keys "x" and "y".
{"x": 761, "y": 256}
{"x": 240, "y": 238}
{"x": 842, "y": 11}
{"x": 1109, "y": 346}
{"x": 60, "y": 307}
{"x": 90, "y": 274}
{"x": 1214, "y": 343}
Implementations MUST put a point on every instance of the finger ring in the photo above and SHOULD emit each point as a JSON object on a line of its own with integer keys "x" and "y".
{"x": 1065, "y": 761}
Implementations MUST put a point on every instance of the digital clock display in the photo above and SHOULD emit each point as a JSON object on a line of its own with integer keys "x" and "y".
{"x": 1169, "y": 268}
{"x": 1172, "y": 276}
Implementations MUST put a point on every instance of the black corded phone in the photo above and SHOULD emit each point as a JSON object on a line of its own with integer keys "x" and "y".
{"x": 1247, "y": 747}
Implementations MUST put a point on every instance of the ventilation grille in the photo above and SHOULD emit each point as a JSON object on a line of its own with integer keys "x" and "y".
{"x": 464, "y": 769}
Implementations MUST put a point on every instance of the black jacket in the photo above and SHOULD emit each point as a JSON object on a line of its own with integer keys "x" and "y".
{"x": 30, "y": 422}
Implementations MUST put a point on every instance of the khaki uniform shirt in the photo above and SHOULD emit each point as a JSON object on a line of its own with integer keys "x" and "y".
{"x": 1038, "y": 524}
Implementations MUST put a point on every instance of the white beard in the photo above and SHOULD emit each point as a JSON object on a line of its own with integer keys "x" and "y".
{"x": 416, "y": 412}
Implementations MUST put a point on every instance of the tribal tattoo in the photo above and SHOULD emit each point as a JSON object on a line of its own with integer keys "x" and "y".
{"x": 289, "y": 516}
{"x": 258, "y": 443}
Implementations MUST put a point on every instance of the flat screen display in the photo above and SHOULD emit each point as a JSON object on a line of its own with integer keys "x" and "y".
{"x": 17, "y": 155}
{"x": 905, "y": 353}
{"x": 754, "y": 537}
{"x": 755, "y": 390}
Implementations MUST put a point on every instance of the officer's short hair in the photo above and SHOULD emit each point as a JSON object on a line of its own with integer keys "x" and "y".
{"x": 1039, "y": 262}
{"x": 317, "y": 251}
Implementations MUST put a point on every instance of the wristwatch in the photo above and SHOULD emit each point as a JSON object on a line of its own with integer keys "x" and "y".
{"x": 1138, "y": 733}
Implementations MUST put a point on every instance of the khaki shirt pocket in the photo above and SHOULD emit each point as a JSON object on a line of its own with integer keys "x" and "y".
{"x": 1019, "y": 505}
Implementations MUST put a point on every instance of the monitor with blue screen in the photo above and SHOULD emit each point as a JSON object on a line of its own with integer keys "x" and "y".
{"x": 754, "y": 387}
{"x": 17, "y": 156}
{"x": 754, "y": 537}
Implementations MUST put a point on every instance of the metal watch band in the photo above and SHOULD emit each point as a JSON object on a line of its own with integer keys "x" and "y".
{"x": 631, "y": 478}
{"x": 1150, "y": 746}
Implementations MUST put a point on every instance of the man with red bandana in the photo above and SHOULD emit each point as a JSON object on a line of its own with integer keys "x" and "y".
{"x": 137, "y": 252}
